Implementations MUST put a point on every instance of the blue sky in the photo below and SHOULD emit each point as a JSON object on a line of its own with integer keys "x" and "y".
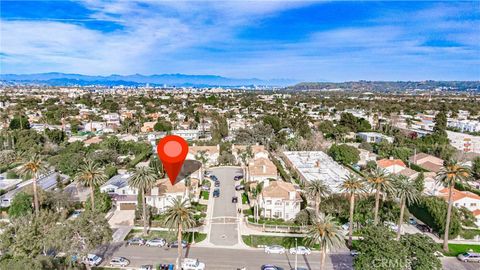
{"x": 309, "y": 41}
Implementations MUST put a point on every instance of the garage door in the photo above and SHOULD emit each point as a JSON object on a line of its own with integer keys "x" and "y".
{"x": 128, "y": 206}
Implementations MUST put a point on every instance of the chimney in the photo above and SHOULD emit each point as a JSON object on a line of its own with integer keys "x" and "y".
{"x": 391, "y": 158}
{"x": 317, "y": 163}
{"x": 264, "y": 168}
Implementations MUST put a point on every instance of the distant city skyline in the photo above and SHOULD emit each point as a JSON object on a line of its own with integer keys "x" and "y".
{"x": 304, "y": 41}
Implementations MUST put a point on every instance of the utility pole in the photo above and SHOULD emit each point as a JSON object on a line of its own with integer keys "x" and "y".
{"x": 296, "y": 252}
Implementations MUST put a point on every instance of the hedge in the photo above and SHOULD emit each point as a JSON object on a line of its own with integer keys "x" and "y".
{"x": 463, "y": 187}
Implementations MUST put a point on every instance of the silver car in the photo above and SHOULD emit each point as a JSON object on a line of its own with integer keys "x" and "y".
{"x": 469, "y": 257}
{"x": 275, "y": 249}
{"x": 119, "y": 261}
{"x": 156, "y": 242}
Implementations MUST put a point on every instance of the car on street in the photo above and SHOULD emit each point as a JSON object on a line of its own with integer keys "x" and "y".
{"x": 93, "y": 260}
{"x": 216, "y": 193}
{"x": 423, "y": 228}
{"x": 469, "y": 257}
{"x": 412, "y": 221}
{"x": 234, "y": 199}
{"x": 119, "y": 261}
{"x": 207, "y": 174}
{"x": 192, "y": 264}
{"x": 174, "y": 244}
{"x": 274, "y": 249}
{"x": 301, "y": 250}
{"x": 146, "y": 267}
{"x": 269, "y": 267}
{"x": 239, "y": 187}
{"x": 354, "y": 253}
{"x": 217, "y": 183}
{"x": 238, "y": 177}
{"x": 137, "y": 241}
{"x": 214, "y": 178}
{"x": 156, "y": 242}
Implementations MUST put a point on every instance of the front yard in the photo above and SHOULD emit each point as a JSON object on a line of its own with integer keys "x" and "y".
{"x": 168, "y": 235}
{"x": 261, "y": 240}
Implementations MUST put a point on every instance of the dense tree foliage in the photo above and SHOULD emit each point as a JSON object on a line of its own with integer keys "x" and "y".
{"x": 345, "y": 154}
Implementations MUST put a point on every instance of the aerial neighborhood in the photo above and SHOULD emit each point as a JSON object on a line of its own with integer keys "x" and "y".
{"x": 267, "y": 167}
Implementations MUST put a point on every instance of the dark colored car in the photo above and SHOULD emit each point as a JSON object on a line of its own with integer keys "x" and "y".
{"x": 214, "y": 178}
{"x": 217, "y": 183}
{"x": 234, "y": 199}
{"x": 216, "y": 193}
{"x": 237, "y": 177}
{"x": 239, "y": 187}
{"x": 174, "y": 244}
{"x": 424, "y": 228}
{"x": 269, "y": 267}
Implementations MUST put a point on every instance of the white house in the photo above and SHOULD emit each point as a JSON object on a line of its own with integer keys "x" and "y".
{"x": 374, "y": 137}
{"x": 164, "y": 192}
{"x": 210, "y": 154}
{"x": 466, "y": 199}
{"x": 279, "y": 200}
{"x": 124, "y": 196}
{"x": 261, "y": 169}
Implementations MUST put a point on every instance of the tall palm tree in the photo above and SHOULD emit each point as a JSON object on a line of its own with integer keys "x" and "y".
{"x": 406, "y": 191}
{"x": 33, "y": 167}
{"x": 179, "y": 216}
{"x": 255, "y": 193}
{"x": 381, "y": 182}
{"x": 143, "y": 179}
{"x": 92, "y": 175}
{"x": 352, "y": 185}
{"x": 325, "y": 232}
{"x": 451, "y": 173}
{"x": 315, "y": 190}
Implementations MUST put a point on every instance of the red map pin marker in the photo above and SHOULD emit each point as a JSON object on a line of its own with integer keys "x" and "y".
{"x": 172, "y": 151}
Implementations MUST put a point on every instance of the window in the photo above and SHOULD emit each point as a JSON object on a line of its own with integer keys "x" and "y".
{"x": 277, "y": 214}
{"x": 473, "y": 204}
{"x": 278, "y": 203}
{"x": 123, "y": 192}
{"x": 268, "y": 202}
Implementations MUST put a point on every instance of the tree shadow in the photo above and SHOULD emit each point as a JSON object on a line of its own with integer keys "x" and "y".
{"x": 189, "y": 167}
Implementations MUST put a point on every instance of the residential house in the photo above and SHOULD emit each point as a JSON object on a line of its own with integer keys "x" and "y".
{"x": 467, "y": 199}
{"x": 162, "y": 195}
{"x": 427, "y": 162}
{"x": 261, "y": 169}
{"x": 124, "y": 196}
{"x": 476, "y": 214}
{"x": 279, "y": 199}
{"x": 147, "y": 127}
{"x": 397, "y": 166}
{"x": 374, "y": 137}
{"x": 205, "y": 154}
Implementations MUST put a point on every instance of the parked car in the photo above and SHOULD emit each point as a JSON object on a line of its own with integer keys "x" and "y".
{"x": 137, "y": 241}
{"x": 237, "y": 177}
{"x": 146, "y": 267}
{"x": 239, "y": 187}
{"x": 412, "y": 221}
{"x": 192, "y": 264}
{"x": 166, "y": 266}
{"x": 174, "y": 244}
{"x": 216, "y": 193}
{"x": 269, "y": 267}
{"x": 275, "y": 249}
{"x": 354, "y": 253}
{"x": 119, "y": 261}
{"x": 213, "y": 177}
{"x": 234, "y": 199}
{"x": 93, "y": 260}
{"x": 469, "y": 257}
{"x": 423, "y": 228}
{"x": 217, "y": 183}
{"x": 207, "y": 173}
{"x": 156, "y": 242}
{"x": 301, "y": 250}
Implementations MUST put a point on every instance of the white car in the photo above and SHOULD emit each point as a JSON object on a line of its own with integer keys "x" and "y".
{"x": 391, "y": 225}
{"x": 274, "y": 249}
{"x": 146, "y": 267}
{"x": 156, "y": 242}
{"x": 93, "y": 260}
{"x": 119, "y": 261}
{"x": 301, "y": 250}
{"x": 192, "y": 264}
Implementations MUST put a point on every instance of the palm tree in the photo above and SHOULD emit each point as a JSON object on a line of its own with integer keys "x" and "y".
{"x": 33, "y": 167}
{"x": 450, "y": 174}
{"x": 380, "y": 181}
{"x": 143, "y": 179}
{"x": 327, "y": 234}
{"x": 352, "y": 185}
{"x": 315, "y": 190}
{"x": 179, "y": 216}
{"x": 92, "y": 175}
{"x": 255, "y": 193}
{"x": 407, "y": 193}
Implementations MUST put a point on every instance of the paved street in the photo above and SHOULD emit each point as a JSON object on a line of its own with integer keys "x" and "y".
{"x": 224, "y": 227}
{"x": 451, "y": 263}
{"x": 223, "y": 259}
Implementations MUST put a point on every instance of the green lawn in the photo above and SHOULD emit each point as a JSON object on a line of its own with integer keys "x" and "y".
{"x": 169, "y": 235}
{"x": 455, "y": 249}
{"x": 204, "y": 194}
{"x": 273, "y": 222}
{"x": 287, "y": 242}
{"x": 244, "y": 198}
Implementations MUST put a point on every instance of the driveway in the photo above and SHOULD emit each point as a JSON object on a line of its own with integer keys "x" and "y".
{"x": 224, "y": 225}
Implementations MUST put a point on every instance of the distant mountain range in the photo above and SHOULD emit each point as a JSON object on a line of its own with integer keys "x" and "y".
{"x": 179, "y": 80}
